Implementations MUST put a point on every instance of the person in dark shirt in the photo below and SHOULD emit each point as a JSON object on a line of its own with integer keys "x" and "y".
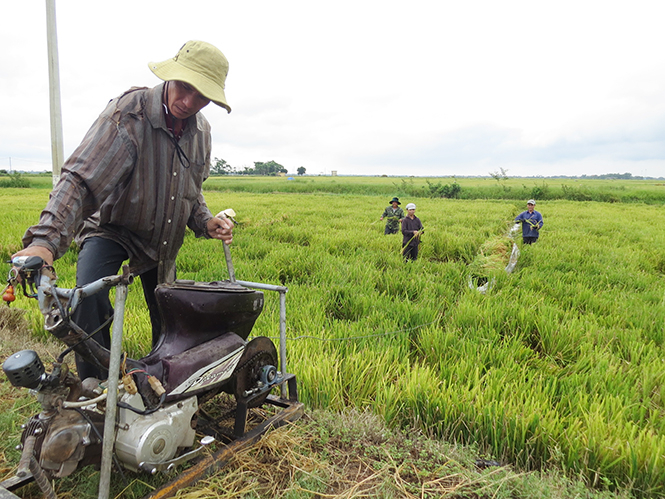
{"x": 412, "y": 228}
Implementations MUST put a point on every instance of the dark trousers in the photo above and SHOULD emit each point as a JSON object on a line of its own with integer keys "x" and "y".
{"x": 410, "y": 252}
{"x": 529, "y": 240}
{"x": 390, "y": 230}
{"x": 100, "y": 257}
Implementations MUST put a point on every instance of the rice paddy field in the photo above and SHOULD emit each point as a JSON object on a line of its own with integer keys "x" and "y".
{"x": 560, "y": 364}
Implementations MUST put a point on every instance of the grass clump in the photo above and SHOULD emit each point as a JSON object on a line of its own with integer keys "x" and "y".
{"x": 352, "y": 454}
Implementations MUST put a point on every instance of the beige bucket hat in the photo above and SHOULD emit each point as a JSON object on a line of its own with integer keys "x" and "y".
{"x": 201, "y": 65}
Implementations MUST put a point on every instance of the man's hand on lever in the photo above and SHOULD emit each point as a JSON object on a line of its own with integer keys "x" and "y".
{"x": 40, "y": 251}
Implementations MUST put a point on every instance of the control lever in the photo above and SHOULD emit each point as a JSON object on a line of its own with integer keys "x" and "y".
{"x": 228, "y": 214}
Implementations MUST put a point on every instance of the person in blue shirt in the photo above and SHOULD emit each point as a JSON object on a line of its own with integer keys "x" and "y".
{"x": 531, "y": 221}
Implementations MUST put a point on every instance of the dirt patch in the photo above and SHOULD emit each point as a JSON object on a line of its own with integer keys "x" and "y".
{"x": 15, "y": 335}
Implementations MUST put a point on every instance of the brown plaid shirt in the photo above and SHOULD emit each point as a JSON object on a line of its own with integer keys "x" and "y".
{"x": 126, "y": 182}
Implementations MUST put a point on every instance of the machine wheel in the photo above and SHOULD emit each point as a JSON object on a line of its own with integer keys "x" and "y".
{"x": 257, "y": 364}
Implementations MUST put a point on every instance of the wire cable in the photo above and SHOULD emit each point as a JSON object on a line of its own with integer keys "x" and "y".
{"x": 349, "y": 338}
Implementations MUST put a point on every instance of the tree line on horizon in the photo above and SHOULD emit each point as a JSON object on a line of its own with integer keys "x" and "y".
{"x": 269, "y": 168}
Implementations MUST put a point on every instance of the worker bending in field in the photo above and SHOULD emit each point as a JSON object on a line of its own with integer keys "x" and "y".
{"x": 531, "y": 221}
{"x": 134, "y": 184}
{"x": 394, "y": 215}
{"x": 412, "y": 228}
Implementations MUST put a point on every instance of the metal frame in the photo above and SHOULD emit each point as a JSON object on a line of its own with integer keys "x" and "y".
{"x": 282, "y": 321}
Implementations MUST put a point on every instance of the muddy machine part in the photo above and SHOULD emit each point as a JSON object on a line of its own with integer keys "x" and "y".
{"x": 145, "y": 417}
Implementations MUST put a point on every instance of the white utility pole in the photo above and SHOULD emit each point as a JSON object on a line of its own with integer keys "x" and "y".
{"x": 54, "y": 91}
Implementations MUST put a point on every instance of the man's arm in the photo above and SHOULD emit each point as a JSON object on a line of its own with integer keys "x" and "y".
{"x": 97, "y": 166}
{"x": 406, "y": 230}
{"x": 201, "y": 220}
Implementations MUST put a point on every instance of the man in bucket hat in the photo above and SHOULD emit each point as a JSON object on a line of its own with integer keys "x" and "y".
{"x": 531, "y": 221}
{"x": 134, "y": 184}
{"x": 394, "y": 215}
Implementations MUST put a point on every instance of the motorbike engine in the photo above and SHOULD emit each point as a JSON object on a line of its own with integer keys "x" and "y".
{"x": 154, "y": 438}
{"x": 68, "y": 441}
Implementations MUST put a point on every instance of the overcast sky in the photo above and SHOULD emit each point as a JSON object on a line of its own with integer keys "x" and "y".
{"x": 365, "y": 87}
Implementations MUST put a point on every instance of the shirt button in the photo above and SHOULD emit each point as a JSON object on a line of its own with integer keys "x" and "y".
{"x": 164, "y": 243}
{"x": 172, "y": 198}
{"x": 169, "y": 220}
{"x": 175, "y": 174}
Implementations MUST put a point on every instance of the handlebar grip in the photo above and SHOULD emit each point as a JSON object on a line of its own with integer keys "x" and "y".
{"x": 28, "y": 262}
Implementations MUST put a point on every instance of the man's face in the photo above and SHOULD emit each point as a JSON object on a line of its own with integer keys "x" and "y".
{"x": 394, "y": 204}
{"x": 530, "y": 207}
{"x": 183, "y": 100}
{"x": 411, "y": 212}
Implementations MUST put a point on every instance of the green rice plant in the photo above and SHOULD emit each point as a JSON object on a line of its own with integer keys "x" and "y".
{"x": 13, "y": 181}
{"x": 560, "y": 365}
{"x": 491, "y": 260}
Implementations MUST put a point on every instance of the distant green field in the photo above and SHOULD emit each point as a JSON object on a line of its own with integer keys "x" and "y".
{"x": 613, "y": 191}
{"x": 561, "y": 363}
{"x": 541, "y": 189}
